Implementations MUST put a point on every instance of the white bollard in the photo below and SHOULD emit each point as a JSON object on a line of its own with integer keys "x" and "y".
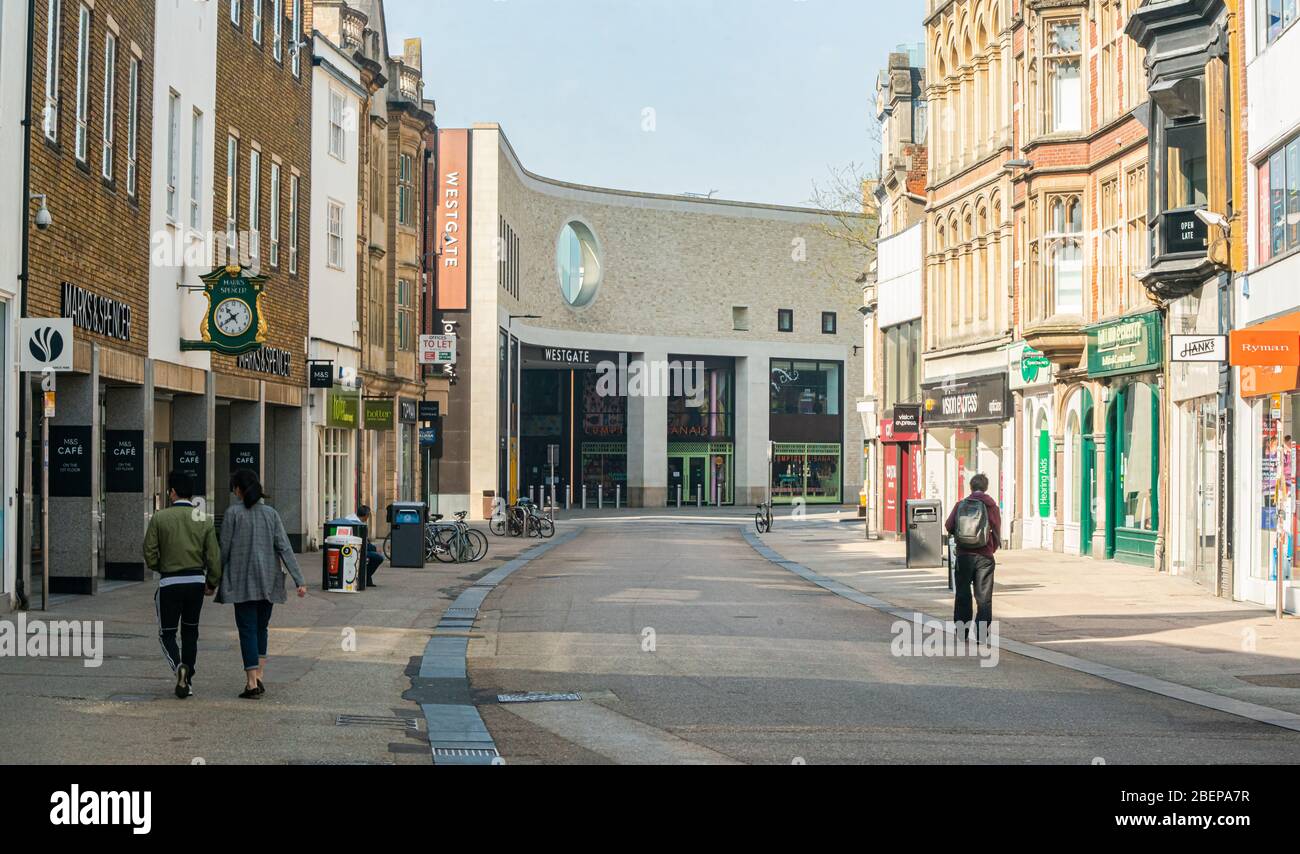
{"x": 679, "y": 496}
{"x": 584, "y": 495}
{"x": 717, "y": 495}
{"x": 600, "y": 496}
{"x": 699, "y": 494}
{"x": 618, "y": 495}
{"x": 568, "y": 496}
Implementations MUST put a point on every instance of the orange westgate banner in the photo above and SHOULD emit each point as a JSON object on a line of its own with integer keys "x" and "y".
{"x": 452, "y": 221}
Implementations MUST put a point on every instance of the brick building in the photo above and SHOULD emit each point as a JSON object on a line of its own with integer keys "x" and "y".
{"x": 91, "y": 156}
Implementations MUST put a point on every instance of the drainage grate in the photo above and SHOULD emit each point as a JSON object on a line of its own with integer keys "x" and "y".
{"x": 460, "y": 613}
{"x": 538, "y": 697}
{"x": 464, "y": 753}
{"x": 393, "y": 722}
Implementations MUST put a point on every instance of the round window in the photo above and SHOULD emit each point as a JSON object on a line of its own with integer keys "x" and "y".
{"x": 577, "y": 263}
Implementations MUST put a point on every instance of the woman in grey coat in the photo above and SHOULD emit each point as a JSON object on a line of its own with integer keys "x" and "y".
{"x": 253, "y": 546}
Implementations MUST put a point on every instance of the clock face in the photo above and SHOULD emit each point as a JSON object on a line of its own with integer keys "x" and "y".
{"x": 233, "y": 317}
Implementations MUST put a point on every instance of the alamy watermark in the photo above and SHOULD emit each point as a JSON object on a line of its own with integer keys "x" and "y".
{"x": 24, "y": 638}
{"x": 653, "y": 378}
{"x": 924, "y": 638}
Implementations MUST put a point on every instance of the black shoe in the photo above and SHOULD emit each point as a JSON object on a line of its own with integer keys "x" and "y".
{"x": 371, "y": 584}
{"x": 250, "y": 694}
{"x": 183, "y": 688}
{"x": 261, "y": 689}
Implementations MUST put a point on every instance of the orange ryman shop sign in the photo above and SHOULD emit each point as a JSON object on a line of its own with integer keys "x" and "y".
{"x": 1268, "y": 354}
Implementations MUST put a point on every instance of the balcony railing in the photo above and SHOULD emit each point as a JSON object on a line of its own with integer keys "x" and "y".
{"x": 353, "y": 27}
{"x": 409, "y": 84}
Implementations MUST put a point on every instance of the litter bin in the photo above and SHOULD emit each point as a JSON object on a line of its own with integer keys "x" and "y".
{"x": 406, "y": 533}
{"x": 344, "y": 528}
{"x": 345, "y": 559}
{"x": 925, "y": 532}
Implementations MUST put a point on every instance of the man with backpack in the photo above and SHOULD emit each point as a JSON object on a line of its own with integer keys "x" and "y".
{"x": 974, "y": 524}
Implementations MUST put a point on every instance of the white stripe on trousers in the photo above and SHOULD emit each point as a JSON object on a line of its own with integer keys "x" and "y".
{"x": 157, "y": 609}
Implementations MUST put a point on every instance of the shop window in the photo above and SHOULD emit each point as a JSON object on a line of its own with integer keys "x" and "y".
{"x": 708, "y": 414}
{"x": 1279, "y": 186}
{"x": 1137, "y": 499}
{"x": 808, "y": 472}
{"x": 785, "y": 320}
{"x": 1278, "y": 465}
{"x": 805, "y": 388}
{"x": 602, "y": 415}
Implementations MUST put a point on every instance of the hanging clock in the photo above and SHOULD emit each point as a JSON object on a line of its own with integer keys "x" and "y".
{"x": 235, "y": 322}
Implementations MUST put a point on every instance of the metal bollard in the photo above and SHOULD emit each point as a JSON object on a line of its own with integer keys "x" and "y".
{"x": 717, "y": 495}
{"x": 568, "y": 496}
{"x": 699, "y": 494}
{"x": 600, "y": 496}
{"x": 618, "y": 495}
{"x": 584, "y": 495}
{"x": 679, "y": 496}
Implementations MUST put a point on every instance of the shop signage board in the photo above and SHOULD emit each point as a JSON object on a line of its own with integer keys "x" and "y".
{"x": 377, "y": 413}
{"x": 431, "y": 438}
{"x": 430, "y": 410}
{"x": 967, "y": 400}
{"x": 46, "y": 344}
{"x": 234, "y": 322}
{"x": 1184, "y": 232}
{"x": 437, "y": 350}
{"x": 70, "y": 453}
{"x": 96, "y": 313}
{"x": 535, "y": 356}
{"x": 906, "y": 424}
{"x": 1126, "y": 345}
{"x": 124, "y": 461}
{"x": 1044, "y": 474}
{"x": 192, "y": 459}
{"x": 245, "y": 455}
{"x": 1198, "y": 348}
{"x": 320, "y": 375}
{"x": 1265, "y": 348}
{"x": 408, "y": 410}
{"x": 341, "y": 411}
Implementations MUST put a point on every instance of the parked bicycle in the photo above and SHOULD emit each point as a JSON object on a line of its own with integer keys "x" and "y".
{"x": 763, "y": 518}
{"x": 449, "y": 542}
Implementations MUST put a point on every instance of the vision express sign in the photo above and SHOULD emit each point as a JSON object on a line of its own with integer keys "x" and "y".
{"x": 969, "y": 400}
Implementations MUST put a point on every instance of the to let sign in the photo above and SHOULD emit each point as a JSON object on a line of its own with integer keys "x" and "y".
{"x": 437, "y": 349}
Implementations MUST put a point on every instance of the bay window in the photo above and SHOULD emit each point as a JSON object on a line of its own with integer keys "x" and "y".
{"x": 1063, "y": 87}
{"x": 1279, "y": 191}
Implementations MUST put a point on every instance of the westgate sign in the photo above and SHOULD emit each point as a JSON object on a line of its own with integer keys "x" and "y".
{"x": 452, "y": 221}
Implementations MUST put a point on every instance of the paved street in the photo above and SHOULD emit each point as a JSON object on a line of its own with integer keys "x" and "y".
{"x": 751, "y": 663}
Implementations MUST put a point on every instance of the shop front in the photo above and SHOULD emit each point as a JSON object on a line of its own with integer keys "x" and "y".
{"x": 965, "y": 422}
{"x": 1030, "y": 376}
{"x": 1126, "y": 356}
{"x": 1268, "y": 356}
{"x": 900, "y": 438}
{"x": 806, "y": 427}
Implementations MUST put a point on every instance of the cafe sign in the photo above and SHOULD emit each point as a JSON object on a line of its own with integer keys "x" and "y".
{"x": 1125, "y": 346}
{"x": 234, "y": 322}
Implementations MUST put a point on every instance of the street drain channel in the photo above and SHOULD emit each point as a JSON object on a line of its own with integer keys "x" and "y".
{"x": 539, "y": 697}
{"x": 379, "y": 721}
{"x": 464, "y": 755}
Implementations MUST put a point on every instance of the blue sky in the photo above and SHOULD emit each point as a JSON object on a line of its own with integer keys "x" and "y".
{"x": 753, "y": 98}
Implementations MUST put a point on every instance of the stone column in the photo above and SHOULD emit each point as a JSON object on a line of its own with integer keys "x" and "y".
{"x": 247, "y": 434}
{"x": 194, "y": 425}
{"x": 73, "y": 519}
{"x": 128, "y": 471}
{"x": 647, "y": 441}
{"x": 1101, "y": 472}
{"x": 284, "y": 474}
{"x": 752, "y": 429}
{"x": 1058, "y": 490}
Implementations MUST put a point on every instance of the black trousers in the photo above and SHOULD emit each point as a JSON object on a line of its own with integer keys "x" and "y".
{"x": 179, "y": 605}
{"x": 974, "y": 572}
{"x": 374, "y": 559}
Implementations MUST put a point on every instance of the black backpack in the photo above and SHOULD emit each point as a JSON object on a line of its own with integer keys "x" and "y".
{"x": 971, "y": 528}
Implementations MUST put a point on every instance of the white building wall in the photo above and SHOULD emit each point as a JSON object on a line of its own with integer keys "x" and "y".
{"x": 185, "y": 62}
{"x": 13, "y": 219}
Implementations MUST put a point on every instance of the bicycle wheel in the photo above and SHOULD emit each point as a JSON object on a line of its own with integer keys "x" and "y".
{"x": 479, "y": 541}
{"x": 442, "y": 545}
{"x": 388, "y": 550}
{"x": 545, "y": 528}
{"x": 462, "y": 550}
{"x": 430, "y": 545}
{"x": 498, "y": 526}
{"x": 517, "y": 523}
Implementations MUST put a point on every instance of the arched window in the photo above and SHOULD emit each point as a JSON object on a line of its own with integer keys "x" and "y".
{"x": 1064, "y": 254}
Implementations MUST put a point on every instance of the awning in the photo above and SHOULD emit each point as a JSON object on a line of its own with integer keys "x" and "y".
{"x": 1268, "y": 354}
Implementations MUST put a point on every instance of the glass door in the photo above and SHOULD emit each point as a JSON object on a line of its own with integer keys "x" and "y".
{"x": 1206, "y": 522}
{"x": 698, "y": 483}
{"x": 677, "y": 487}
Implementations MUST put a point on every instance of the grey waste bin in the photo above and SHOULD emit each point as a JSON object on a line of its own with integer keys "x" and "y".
{"x": 406, "y": 532}
{"x": 925, "y": 533}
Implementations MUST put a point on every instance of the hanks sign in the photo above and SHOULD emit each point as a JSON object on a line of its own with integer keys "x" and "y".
{"x": 452, "y": 221}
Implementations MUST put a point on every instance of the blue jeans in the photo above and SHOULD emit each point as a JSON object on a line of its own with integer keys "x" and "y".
{"x": 252, "y": 619}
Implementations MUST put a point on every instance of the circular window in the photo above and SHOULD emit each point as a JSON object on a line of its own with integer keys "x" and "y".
{"x": 577, "y": 263}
